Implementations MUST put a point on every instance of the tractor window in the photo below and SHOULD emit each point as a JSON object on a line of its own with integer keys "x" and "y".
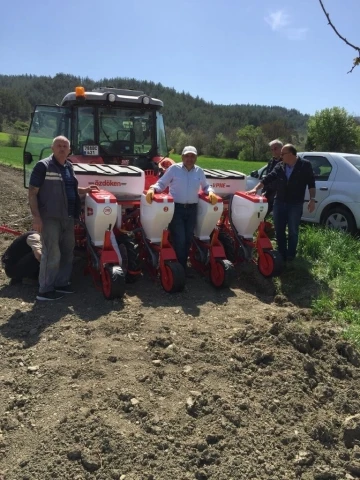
{"x": 161, "y": 136}
{"x": 84, "y": 132}
{"x": 47, "y": 123}
{"x": 124, "y": 132}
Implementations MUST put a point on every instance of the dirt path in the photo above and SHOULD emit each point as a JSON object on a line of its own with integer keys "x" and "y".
{"x": 205, "y": 384}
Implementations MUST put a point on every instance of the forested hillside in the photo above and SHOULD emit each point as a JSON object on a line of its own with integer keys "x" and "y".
{"x": 213, "y": 128}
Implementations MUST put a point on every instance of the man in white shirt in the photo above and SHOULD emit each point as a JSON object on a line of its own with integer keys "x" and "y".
{"x": 184, "y": 181}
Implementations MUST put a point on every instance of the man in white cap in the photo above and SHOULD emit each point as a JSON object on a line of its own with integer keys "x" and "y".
{"x": 184, "y": 181}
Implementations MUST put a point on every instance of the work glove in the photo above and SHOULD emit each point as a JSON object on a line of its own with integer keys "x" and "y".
{"x": 150, "y": 195}
{"x": 213, "y": 198}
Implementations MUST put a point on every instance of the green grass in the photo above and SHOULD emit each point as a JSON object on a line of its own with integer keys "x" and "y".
{"x": 14, "y": 156}
{"x": 328, "y": 268}
{"x": 11, "y": 156}
{"x": 223, "y": 163}
{"x": 4, "y": 139}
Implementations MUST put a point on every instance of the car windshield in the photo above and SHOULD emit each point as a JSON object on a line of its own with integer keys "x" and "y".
{"x": 354, "y": 160}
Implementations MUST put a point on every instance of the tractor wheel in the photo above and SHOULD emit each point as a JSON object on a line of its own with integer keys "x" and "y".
{"x": 222, "y": 273}
{"x": 172, "y": 277}
{"x": 131, "y": 259}
{"x": 229, "y": 246}
{"x": 270, "y": 264}
{"x": 113, "y": 282}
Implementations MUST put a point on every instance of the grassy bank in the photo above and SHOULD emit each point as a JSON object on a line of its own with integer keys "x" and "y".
{"x": 328, "y": 271}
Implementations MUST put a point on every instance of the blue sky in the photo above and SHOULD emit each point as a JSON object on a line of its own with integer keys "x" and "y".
{"x": 266, "y": 52}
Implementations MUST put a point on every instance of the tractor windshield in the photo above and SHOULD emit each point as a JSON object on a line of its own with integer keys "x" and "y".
{"x": 115, "y": 131}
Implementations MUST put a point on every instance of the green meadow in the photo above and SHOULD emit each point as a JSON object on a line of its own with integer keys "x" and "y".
{"x": 14, "y": 156}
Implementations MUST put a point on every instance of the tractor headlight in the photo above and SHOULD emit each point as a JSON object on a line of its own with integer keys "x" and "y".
{"x": 146, "y": 100}
{"x": 111, "y": 97}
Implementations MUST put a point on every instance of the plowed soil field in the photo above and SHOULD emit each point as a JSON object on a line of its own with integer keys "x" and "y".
{"x": 242, "y": 383}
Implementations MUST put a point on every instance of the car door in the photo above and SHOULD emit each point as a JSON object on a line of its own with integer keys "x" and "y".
{"x": 324, "y": 168}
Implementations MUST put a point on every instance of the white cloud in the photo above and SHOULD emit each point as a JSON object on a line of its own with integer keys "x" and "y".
{"x": 296, "y": 33}
{"x": 280, "y": 21}
{"x": 277, "y": 20}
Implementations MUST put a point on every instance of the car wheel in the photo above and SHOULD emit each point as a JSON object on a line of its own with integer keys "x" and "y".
{"x": 339, "y": 218}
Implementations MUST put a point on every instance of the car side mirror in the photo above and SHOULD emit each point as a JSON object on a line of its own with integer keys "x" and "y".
{"x": 28, "y": 158}
{"x": 254, "y": 174}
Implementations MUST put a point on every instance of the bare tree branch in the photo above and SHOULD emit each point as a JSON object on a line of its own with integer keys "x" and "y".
{"x": 357, "y": 59}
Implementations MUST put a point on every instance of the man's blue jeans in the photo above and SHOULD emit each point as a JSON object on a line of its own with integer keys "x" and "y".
{"x": 182, "y": 228}
{"x": 287, "y": 214}
{"x": 58, "y": 242}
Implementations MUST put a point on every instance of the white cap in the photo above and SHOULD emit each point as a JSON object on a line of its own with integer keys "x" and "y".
{"x": 189, "y": 149}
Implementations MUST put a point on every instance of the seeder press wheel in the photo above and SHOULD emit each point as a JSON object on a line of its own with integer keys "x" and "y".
{"x": 113, "y": 282}
{"x": 172, "y": 277}
{"x": 221, "y": 273}
{"x": 270, "y": 263}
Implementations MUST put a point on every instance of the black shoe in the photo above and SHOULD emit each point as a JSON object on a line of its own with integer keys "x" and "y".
{"x": 48, "y": 296}
{"x": 64, "y": 289}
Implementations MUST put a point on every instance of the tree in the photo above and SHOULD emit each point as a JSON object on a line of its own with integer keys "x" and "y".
{"x": 333, "y": 130}
{"x": 217, "y": 146}
{"x": 278, "y": 129}
{"x": 356, "y": 59}
{"x": 252, "y": 140}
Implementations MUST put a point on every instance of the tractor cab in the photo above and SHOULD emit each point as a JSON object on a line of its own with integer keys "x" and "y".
{"x": 104, "y": 126}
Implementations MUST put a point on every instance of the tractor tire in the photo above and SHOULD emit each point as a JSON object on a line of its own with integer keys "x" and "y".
{"x": 229, "y": 246}
{"x": 270, "y": 264}
{"x": 113, "y": 282}
{"x": 222, "y": 274}
{"x": 173, "y": 278}
{"x": 131, "y": 259}
{"x": 339, "y": 218}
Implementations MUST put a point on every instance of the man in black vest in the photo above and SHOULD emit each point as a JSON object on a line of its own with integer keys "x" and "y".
{"x": 22, "y": 258}
{"x": 270, "y": 190}
{"x": 55, "y": 203}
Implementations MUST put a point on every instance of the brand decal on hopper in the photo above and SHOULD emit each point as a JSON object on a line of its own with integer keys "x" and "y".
{"x": 107, "y": 183}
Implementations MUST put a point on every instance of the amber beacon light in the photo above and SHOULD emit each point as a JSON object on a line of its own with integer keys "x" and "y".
{"x": 80, "y": 92}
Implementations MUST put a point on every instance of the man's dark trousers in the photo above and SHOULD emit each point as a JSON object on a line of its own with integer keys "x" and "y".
{"x": 287, "y": 214}
{"x": 182, "y": 228}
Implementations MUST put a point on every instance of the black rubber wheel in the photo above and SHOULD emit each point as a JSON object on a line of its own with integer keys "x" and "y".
{"x": 222, "y": 274}
{"x": 131, "y": 259}
{"x": 271, "y": 264}
{"x": 173, "y": 279}
{"x": 113, "y": 282}
{"x": 229, "y": 246}
{"x": 339, "y": 218}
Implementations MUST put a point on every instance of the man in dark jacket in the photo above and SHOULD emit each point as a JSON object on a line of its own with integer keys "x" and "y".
{"x": 292, "y": 176}
{"x": 269, "y": 190}
{"x": 55, "y": 203}
{"x": 22, "y": 258}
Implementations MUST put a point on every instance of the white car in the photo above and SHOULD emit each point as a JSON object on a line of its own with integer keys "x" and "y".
{"x": 337, "y": 177}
